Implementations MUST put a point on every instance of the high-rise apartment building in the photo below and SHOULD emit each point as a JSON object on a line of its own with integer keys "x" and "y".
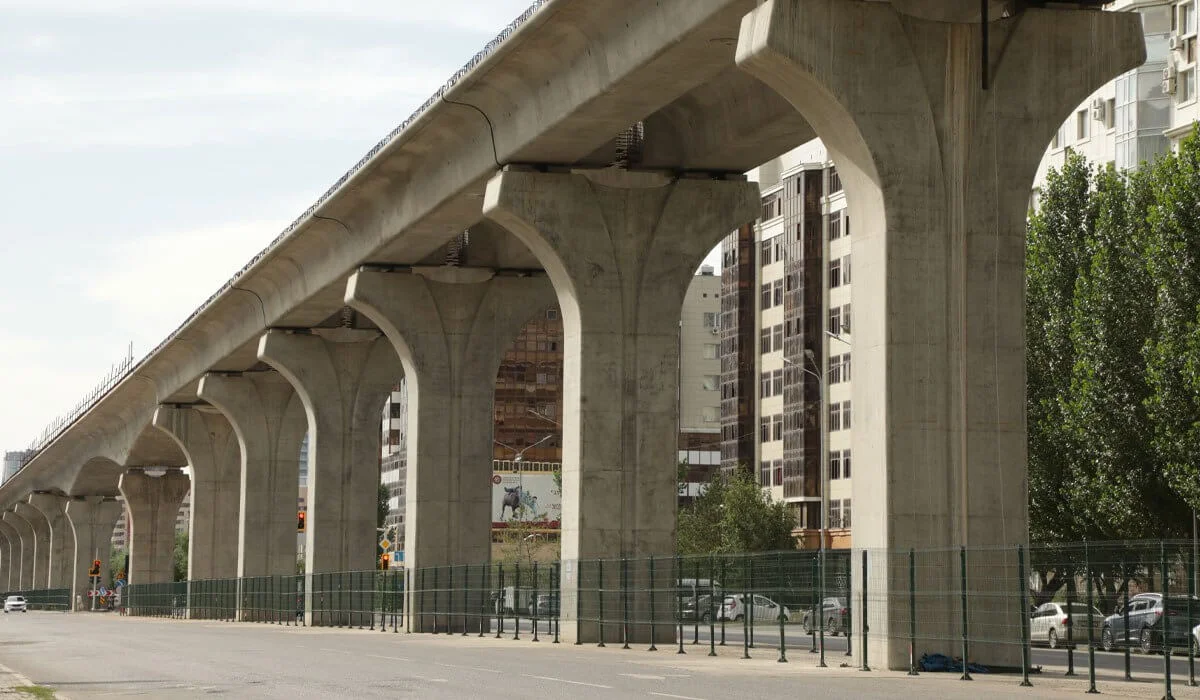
{"x": 12, "y": 464}
{"x": 786, "y": 344}
{"x": 1146, "y": 111}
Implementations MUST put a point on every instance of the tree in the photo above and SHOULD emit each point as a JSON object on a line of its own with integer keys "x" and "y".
{"x": 117, "y": 561}
{"x": 383, "y": 508}
{"x": 734, "y": 514}
{"x": 181, "y": 557}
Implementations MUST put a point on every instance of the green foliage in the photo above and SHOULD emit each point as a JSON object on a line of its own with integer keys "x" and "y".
{"x": 181, "y": 556}
{"x": 1113, "y": 351}
{"x": 382, "y": 509}
{"x": 734, "y": 515}
{"x": 116, "y": 564}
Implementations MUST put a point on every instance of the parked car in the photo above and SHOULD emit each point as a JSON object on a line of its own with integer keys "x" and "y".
{"x": 1196, "y": 640}
{"x": 547, "y": 605}
{"x": 15, "y": 603}
{"x": 1146, "y": 627}
{"x": 698, "y": 609}
{"x": 1053, "y": 623}
{"x": 765, "y": 609}
{"x": 836, "y": 614}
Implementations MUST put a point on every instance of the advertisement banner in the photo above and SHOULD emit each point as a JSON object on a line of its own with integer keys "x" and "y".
{"x": 527, "y": 497}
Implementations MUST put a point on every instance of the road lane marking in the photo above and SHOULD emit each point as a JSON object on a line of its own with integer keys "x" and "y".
{"x": 373, "y": 656}
{"x": 678, "y": 697}
{"x": 469, "y": 668}
{"x": 564, "y": 680}
{"x": 644, "y": 676}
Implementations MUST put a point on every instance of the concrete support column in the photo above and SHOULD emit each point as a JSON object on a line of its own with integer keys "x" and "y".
{"x": 208, "y": 442}
{"x": 621, "y": 249}
{"x": 269, "y": 422}
{"x": 451, "y": 327}
{"x": 62, "y": 540}
{"x": 10, "y": 557}
{"x": 153, "y": 503}
{"x": 41, "y": 544}
{"x": 92, "y": 520}
{"x": 342, "y": 376}
{"x": 937, "y": 163}
{"x": 22, "y": 579}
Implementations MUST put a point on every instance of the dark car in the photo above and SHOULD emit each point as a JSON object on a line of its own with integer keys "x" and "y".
{"x": 1147, "y": 629}
{"x": 698, "y": 609}
{"x": 836, "y": 613}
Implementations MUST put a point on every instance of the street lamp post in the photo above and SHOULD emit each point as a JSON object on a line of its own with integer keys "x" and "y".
{"x": 519, "y": 455}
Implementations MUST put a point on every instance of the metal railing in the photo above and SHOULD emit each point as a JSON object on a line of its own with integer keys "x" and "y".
{"x": 58, "y": 599}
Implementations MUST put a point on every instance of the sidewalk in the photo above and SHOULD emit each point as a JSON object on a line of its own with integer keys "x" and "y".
{"x": 10, "y": 680}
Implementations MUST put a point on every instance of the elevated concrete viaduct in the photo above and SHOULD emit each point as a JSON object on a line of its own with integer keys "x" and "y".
{"x": 936, "y": 141}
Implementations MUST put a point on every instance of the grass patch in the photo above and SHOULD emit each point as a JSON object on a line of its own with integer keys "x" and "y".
{"x": 40, "y": 692}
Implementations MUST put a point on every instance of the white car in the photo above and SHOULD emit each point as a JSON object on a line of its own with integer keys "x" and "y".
{"x": 15, "y": 603}
{"x": 765, "y": 609}
{"x": 1050, "y": 622}
{"x": 1196, "y": 640}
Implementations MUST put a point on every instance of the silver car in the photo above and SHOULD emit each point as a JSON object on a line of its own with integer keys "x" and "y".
{"x": 15, "y": 603}
{"x": 1050, "y": 622}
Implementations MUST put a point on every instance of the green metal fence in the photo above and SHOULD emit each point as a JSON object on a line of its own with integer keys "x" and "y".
{"x": 45, "y": 599}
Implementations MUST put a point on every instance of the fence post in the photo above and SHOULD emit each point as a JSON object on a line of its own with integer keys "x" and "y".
{"x": 600, "y": 598}
{"x": 962, "y": 559}
{"x": 1125, "y": 616}
{"x": 817, "y": 612}
{"x": 653, "y": 617}
{"x": 556, "y": 595}
{"x": 1070, "y": 628}
{"x": 679, "y": 600}
{"x": 625, "y": 602}
{"x": 1023, "y": 589}
{"x": 535, "y": 603}
{"x": 500, "y": 604}
{"x": 516, "y": 600}
{"x": 912, "y": 612}
{"x": 485, "y": 594}
{"x": 779, "y": 599}
{"x": 820, "y": 606}
{"x": 1087, "y": 566}
{"x": 865, "y": 627}
{"x": 696, "y": 601}
{"x": 1166, "y": 622}
{"x": 579, "y": 604}
{"x": 1191, "y": 623}
{"x": 721, "y": 604}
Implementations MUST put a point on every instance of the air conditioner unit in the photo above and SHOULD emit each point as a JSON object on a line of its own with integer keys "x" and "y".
{"x": 1176, "y": 43}
{"x": 1169, "y": 79}
{"x": 1099, "y": 108}
{"x": 715, "y": 331}
{"x": 1170, "y": 72}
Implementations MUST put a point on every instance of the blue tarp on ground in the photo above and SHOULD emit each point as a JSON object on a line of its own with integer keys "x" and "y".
{"x": 941, "y": 662}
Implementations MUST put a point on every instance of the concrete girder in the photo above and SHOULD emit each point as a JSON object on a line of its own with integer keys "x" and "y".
{"x": 207, "y": 439}
{"x": 621, "y": 249}
{"x": 153, "y": 503}
{"x": 61, "y": 551}
{"x": 937, "y": 172}
{"x": 269, "y": 423}
{"x": 92, "y": 520}
{"x": 450, "y": 327}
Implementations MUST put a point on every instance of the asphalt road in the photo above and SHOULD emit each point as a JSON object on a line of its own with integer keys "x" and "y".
{"x": 87, "y": 656}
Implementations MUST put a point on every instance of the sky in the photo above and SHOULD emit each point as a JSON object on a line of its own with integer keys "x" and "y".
{"x": 149, "y": 148}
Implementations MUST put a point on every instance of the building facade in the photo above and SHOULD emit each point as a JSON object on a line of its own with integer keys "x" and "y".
{"x": 786, "y": 344}
{"x": 12, "y": 464}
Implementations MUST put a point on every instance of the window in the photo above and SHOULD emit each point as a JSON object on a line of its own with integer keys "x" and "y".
{"x": 778, "y": 333}
{"x": 766, "y": 296}
{"x": 772, "y": 206}
{"x": 764, "y": 341}
{"x": 551, "y": 314}
{"x": 846, "y": 512}
{"x": 764, "y": 429}
{"x": 1110, "y": 113}
{"x": 846, "y": 319}
{"x": 835, "y": 417}
{"x": 1187, "y": 19}
{"x": 835, "y": 514}
{"x": 1082, "y": 121}
{"x": 711, "y": 319}
{"x": 846, "y": 367}
{"x": 778, "y": 292}
{"x": 711, "y": 415}
{"x": 846, "y": 270}
{"x": 835, "y": 466}
{"x": 766, "y": 253}
{"x": 1185, "y": 90}
{"x": 764, "y": 474}
{"x": 711, "y": 351}
{"x": 777, "y": 426}
{"x": 711, "y": 381}
{"x": 846, "y": 463}
{"x": 777, "y": 382}
{"x": 835, "y": 225}
{"x": 846, "y": 225}
{"x": 777, "y": 467}
{"x": 846, "y": 415}
{"x": 835, "y": 320}
{"x": 835, "y": 181}
{"x": 835, "y": 273}
{"x": 835, "y": 369}
{"x": 764, "y": 384}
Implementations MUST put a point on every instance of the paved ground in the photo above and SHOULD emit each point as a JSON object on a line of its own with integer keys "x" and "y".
{"x": 102, "y": 656}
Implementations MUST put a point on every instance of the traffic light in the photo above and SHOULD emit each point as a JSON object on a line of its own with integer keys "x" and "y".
{"x": 383, "y": 561}
{"x": 95, "y": 570}
{"x": 300, "y": 521}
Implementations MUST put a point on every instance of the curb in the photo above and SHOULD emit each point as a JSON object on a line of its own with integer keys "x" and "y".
{"x": 21, "y": 679}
